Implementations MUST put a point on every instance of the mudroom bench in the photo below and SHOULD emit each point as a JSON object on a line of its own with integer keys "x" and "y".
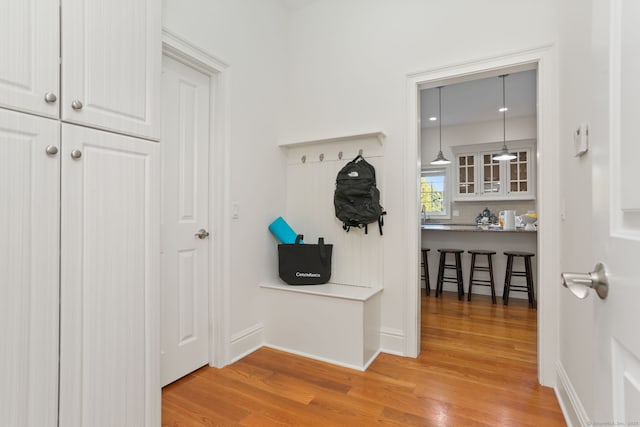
{"x": 335, "y": 323}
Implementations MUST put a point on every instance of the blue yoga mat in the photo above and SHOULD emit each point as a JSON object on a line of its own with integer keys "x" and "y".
{"x": 283, "y": 231}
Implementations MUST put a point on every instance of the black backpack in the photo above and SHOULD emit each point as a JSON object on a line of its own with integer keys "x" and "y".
{"x": 357, "y": 199}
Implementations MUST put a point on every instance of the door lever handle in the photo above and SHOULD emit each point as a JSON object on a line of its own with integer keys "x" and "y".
{"x": 579, "y": 283}
{"x": 202, "y": 234}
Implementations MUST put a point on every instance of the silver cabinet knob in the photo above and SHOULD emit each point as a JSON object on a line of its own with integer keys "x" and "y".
{"x": 76, "y": 154}
{"x": 202, "y": 234}
{"x": 51, "y": 150}
{"x": 579, "y": 283}
{"x": 50, "y": 97}
{"x": 76, "y": 104}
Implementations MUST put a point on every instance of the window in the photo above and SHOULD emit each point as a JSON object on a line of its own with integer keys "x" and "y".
{"x": 434, "y": 197}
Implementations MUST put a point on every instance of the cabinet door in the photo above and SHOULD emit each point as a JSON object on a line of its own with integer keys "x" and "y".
{"x": 466, "y": 172}
{"x": 520, "y": 179}
{"x": 111, "y": 56}
{"x": 110, "y": 291}
{"x": 29, "y": 259}
{"x": 29, "y": 46}
{"x": 491, "y": 172}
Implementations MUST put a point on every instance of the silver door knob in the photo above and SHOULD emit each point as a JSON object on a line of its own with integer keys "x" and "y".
{"x": 76, "y": 154}
{"x": 51, "y": 150}
{"x": 76, "y": 104}
{"x": 50, "y": 97}
{"x": 202, "y": 234}
{"x": 579, "y": 283}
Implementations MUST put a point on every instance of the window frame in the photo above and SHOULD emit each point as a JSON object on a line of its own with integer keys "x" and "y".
{"x": 447, "y": 196}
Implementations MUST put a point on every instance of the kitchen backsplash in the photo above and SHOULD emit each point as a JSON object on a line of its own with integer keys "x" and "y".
{"x": 469, "y": 210}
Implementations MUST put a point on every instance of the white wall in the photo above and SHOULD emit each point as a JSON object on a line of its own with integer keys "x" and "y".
{"x": 576, "y": 342}
{"x": 474, "y": 133}
{"x": 249, "y": 36}
{"x": 349, "y": 66}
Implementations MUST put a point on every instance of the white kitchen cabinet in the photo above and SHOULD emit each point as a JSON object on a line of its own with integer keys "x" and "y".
{"x": 480, "y": 178}
{"x": 111, "y": 65}
{"x": 30, "y": 49}
{"x": 110, "y": 289}
{"x": 29, "y": 269}
{"x": 109, "y": 74}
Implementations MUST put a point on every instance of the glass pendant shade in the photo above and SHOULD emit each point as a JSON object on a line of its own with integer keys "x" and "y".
{"x": 440, "y": 159}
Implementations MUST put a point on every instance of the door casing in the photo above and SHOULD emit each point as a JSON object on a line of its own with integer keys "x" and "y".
{"x": 219, "y": 191}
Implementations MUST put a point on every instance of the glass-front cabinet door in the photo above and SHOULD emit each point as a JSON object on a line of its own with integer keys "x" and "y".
{"x": 466, "y": 172}
{"x": 491, "y": 175}
{"x": 518, "y": 174}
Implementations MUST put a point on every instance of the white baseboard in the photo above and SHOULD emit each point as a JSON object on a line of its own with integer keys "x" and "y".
{"x": 392, "y": 341}
{"x": 574, "y": 412}
{"x": 246, "y": 342}
{"x": 323, "y": 359}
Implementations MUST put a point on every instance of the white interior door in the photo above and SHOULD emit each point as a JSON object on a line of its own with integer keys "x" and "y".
{"x": 29, "y": 274}
{"x": 185, "y": 211}
{"x": 616, "y": 197}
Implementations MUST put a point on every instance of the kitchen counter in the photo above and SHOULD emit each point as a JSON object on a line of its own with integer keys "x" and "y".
{"x": 471, "y": 227}
{"x": 468, "y": 237}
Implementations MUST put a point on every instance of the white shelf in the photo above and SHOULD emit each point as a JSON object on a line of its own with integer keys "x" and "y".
{"x": 378, "y": 135}
{"x": 332, "y": 290}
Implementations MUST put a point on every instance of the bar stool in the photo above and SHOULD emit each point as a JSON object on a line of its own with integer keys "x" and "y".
{"x": 425, "y": 269}
{"x": 527, "y": 273}
{"x": 488, "y": 268}
{"x": 457, "y": 266}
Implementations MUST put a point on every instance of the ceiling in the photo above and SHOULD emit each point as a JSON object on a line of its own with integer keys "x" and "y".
{"x": 479, "y": 100}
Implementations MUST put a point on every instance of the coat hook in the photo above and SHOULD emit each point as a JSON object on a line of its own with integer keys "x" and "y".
{"x": 304, "y": 159}
{"x": 321, "y": 156}
{"x": 360, "y": 152}
{"x": 340, "y": 155}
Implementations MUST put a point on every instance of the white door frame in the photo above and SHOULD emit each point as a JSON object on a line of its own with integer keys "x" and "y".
{"x": 548, "y": 194}
{"x": 219, "y": 191}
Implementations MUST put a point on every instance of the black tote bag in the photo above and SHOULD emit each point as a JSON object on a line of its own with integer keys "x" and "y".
{"x": 305, "y": 264}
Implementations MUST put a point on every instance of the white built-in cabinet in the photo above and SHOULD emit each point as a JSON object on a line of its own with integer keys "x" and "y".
{"x": 88, "y": 62}
{"x": 79, "y": 185}
{"x": 109, "y": 291}
{"x": 478, "y": 177}
{"x": 29, "y": 269}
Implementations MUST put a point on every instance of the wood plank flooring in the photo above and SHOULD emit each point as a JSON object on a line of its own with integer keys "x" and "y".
{"x": 477, "y": 368}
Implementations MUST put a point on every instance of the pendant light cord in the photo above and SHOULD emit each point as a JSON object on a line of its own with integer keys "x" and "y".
{"x": 504, "y": 115}
{"x": 440, "y": 115}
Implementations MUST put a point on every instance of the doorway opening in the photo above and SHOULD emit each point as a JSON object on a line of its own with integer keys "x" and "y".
{"x": 546, "y": 155}
{"x": 469, "y": 122}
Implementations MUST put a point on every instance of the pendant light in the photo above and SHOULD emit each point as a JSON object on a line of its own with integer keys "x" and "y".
{"x": 504, "y": 154}
{"x": 440, "y": 159}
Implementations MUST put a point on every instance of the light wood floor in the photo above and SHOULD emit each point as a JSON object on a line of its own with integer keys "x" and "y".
{"x": 477, "y": 368}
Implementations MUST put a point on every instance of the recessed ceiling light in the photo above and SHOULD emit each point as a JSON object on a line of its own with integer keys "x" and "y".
{"x": 503, "y": 109}
{"x": 433, "y": 118}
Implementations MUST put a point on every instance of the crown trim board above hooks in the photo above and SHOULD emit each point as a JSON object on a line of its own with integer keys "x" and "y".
{"x": 380, "y": 136}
